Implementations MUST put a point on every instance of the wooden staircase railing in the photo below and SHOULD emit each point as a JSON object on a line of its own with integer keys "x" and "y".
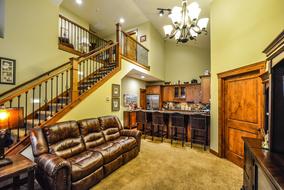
{"x": 77, "y": 39}
{"x": 48, "y": 98}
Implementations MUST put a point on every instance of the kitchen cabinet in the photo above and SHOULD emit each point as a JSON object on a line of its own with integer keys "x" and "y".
{"x": 193, "y": 93}
{"x": 205, "y": 89}
{"x": 168, "y": 94}
{"x": 153, "y": 89}
{"x": 179, "y": 92}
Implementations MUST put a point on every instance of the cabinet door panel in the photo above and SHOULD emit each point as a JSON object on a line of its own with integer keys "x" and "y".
{"x": 193, "y": 93}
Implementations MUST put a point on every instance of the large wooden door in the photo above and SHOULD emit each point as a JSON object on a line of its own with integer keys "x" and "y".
{"x": 243, "y": 109}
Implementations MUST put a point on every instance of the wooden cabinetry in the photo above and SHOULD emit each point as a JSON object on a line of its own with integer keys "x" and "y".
{"x": 153, "y": 89}
{"x": 180, "y": 92}
{"x": 129, "y": 119}
{"x": 205, "y": 89}
{"x": 193, "y": 93}
{"x": 168, "y": 94}
{"x": 262, "y": 169}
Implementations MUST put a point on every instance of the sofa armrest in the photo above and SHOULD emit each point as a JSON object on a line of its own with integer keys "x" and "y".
{"x": 54, "y": 168}
{"x": 132, "y": 133}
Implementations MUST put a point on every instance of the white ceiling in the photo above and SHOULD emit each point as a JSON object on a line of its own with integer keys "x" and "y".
{"x": 103, "y": 14}
{"x": 137, "y": 74}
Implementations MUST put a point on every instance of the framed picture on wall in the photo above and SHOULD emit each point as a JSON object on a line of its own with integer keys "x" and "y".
{"x": 7, "y": 71}
{"x": 129, "y": 99}
{"x": 115, "y": 104}
{"x": 116, "y": 90}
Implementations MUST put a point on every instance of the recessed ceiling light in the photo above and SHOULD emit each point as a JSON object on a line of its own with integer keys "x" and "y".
{"x": 142, "y": 76}
{"x": 121, "y": 20}
{"x": 79, "y": 2}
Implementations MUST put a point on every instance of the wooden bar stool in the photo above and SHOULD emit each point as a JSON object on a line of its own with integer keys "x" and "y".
{"x": 141, "y": 120}
{"x": 178, "y": 127}
{"x": 158, "y": 122}
{"x": 199, "y": 130}
{"x": 148, "y": 127}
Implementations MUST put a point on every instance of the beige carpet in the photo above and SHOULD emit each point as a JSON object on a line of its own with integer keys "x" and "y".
{"x": 162, "y": 166}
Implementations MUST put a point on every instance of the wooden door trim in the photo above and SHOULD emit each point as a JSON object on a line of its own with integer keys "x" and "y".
{"x": 256, "y": 67}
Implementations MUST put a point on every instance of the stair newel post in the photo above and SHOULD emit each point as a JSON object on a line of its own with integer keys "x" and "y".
{"x": 119, "y": 44}
{"x": 74, "y": 79}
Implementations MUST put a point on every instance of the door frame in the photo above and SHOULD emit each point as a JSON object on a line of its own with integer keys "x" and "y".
{"x": 259, "y": 67}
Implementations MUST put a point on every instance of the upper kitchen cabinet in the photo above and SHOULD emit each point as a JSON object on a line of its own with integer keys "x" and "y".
{"x": 205, "y": 89}
{"x": 193, "y": 93}
{"x": 156, "y": 89}
{"x": 168, "y": 93}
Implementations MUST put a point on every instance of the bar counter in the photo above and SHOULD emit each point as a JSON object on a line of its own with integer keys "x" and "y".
{"x": 130, "y": 119}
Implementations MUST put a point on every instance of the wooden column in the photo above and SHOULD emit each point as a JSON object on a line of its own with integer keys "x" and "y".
{"x": 74, "y": 79}
{"x": 119, "y": 44}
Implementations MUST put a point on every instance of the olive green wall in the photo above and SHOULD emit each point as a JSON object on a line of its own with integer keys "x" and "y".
{"x": 31, "y": 31}
{"x": 185, "y": 62}
{"x": 240, "y": 30}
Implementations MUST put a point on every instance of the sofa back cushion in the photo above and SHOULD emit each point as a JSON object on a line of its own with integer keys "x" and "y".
{"x": 111, "y": 127}
{"x": 64, "y": 139}
{"x": 91, "y": 132}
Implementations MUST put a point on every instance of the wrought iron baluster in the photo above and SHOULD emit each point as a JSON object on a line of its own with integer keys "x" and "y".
{"x": 67, "y": 98}
{"x": 18, "y": 129}
{"x": 46, "y": 102}
{"x": 33, "y": 108}
{"x": 39, "y": 105}
{"x": 56, "y": 99}
{"x": 62, "y": 89}
{"x": 51, "y": 97}
{"x": 26, "y": 112}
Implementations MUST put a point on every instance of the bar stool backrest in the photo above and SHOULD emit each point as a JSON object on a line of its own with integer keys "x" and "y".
{"x": 198, "y": 122}
{"x": 178, "y": 120}
{"x": 158, "y": 118}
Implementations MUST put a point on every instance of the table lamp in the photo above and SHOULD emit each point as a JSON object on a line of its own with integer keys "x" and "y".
{"x": 4, "y": 136}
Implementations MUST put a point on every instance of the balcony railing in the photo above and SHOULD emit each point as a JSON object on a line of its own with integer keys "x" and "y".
{"x": 132, "y": 49}
{"x": 77, "y": 39}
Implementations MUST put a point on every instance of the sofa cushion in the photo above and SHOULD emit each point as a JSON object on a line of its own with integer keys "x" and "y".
{"x": 91, "y": 131}
{"x": 126, "y": 143}
{"x": 109, "y": 151}
{"x": 111, "y": 127}
{"x": 64, "y": 139}
{"x": 84, "y": 164}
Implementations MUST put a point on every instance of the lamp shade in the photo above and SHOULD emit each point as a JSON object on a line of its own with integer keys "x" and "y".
{"x": 11, "y": 118}
{"x": 193, "y": 33}
{"x": 177, "y": 35}
{"x": 202, "y": 23}
{"x": 193, "y": 11}
{"x": 168, "y": 29}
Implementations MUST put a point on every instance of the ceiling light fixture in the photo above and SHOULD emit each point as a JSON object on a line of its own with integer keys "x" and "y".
{"x": 142, "y": 76}
{"x": 186, "y": 25}
{"x": 79, "y": 2}
{"x": 121, "y": 20}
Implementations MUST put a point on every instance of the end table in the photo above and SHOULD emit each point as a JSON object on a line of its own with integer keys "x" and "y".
{"x": 20, "y": 165}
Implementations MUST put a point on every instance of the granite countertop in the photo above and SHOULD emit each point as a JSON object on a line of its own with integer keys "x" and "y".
{"x": 185, "y": 112}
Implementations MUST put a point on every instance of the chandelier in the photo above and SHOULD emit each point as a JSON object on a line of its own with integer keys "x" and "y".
{"x": 186, "y": 25}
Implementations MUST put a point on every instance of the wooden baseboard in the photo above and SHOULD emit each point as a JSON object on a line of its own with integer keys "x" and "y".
{"x": 214, "y": 152}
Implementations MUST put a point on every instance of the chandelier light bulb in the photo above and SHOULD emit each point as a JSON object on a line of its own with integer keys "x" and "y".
{"x": 193, "y": 11}
{"x": 202, "y": 23}
{"x": 177, "y": 35}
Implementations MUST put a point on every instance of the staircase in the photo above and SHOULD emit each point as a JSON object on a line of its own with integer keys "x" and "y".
{"x": 46, "y": 99}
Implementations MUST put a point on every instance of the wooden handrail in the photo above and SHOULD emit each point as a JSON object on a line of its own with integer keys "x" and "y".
{"x": 95, "y": 50}
{"x": 34, "y": 79}
{"x": 135, "y": 40}
{"x": 32, "y": 86}
{"x": 98, "y": 52}
{"x": 89, "y": 31}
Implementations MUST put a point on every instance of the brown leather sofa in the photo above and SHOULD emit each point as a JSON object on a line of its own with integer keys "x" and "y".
{"x": 78, "y": 154}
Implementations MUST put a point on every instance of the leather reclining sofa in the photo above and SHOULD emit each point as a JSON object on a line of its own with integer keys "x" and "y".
{"x": 78, "y": 154}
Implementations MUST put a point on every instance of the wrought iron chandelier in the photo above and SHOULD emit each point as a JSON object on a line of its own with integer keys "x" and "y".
{"x": 186, "y": 25}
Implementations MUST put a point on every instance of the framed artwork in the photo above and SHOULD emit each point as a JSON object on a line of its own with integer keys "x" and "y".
{"x": 7, "y": 71}
{"x": 115, "y": 104}
{"x": 129, "y": 99}
{"x": 143, "y": 38}
{"x": 116, "y": 90}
